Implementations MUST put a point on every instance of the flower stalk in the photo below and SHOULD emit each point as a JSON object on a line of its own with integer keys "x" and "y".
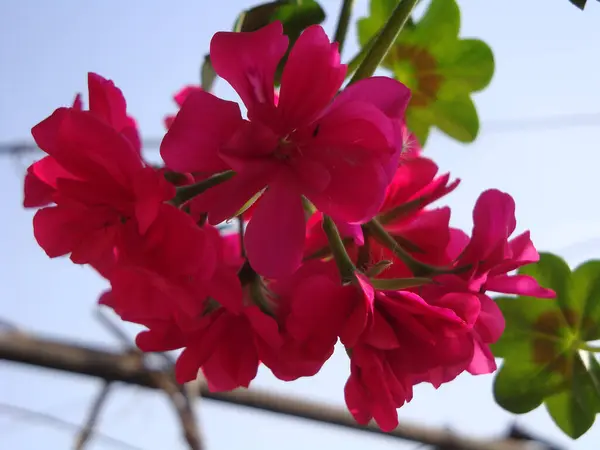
{"x": 186, "y": 193}
{"x": 342, "y": 259}
{"x": 384, "y": 41}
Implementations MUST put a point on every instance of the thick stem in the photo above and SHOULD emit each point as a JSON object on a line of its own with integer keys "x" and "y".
{"x": 343, "y": 22}
{"x": 342, "y": 259}
{"x": 384, "y": 41}
{"x": 186, "y": 193}
{"x": 358, "y": 58}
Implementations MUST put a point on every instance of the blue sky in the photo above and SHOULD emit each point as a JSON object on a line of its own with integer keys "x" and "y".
{"x": 546, "y": 65}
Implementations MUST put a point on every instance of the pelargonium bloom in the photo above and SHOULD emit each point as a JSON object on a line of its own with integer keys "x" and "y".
{"x": 407, "y": 338}
{"x": 491, "y": 253}
{"x": 100, "y": 186}
{"x": 338, "y": 152}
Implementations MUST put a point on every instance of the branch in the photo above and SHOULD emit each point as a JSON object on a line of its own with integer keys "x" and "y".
{"x": 130, "y": 369}
{"x": 177, "y": 394}
{"x": 87, "y": 431}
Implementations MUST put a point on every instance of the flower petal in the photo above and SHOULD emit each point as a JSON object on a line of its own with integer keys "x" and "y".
{"x": 301, "y": 97}
{"x": 202, "y": 126}
{"x": 518, "y": 284}
{"x": 387, "y": 94}
{"x": 248, "y": 62}
{"x": 275, "y": 234}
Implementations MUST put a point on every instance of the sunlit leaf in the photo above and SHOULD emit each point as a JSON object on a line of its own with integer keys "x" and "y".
{"x": 543, "y": 344}
{"x": 441, "y": 69}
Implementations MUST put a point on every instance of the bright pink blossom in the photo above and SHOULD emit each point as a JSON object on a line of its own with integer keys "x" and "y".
{"x": 491, "y": 253}
{"x": 100, "y": 185}
{"x": 337, "y": 152}
{"x": 407, "y": 339}
{"x": 228, "y": 347}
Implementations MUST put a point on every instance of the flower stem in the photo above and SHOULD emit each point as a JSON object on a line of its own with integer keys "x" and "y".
{"x": 589, "y": 348}
{"x": 186, "y": 193}
{"x": 384, "y": 41}
{"x": 343, "y": 22}
{"x": 342, "y": 259}
{"x": 418, "y": 268}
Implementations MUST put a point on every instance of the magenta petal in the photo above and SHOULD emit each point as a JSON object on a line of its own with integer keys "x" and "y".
{"x": 275, "y": 233}
{"x": 483, "y": 361}
{"x": 354, "y": 193}
{"x": 107, "y": 101}
{"x": 58, "y": 230}
{"x": 202, "y": 126}
{"x": 248, "y": 62}
{"x": 226, "y": 289}
{"x": 387, "y": 94}
{"x": 301, "y": 99}
{"x": 493, "y": 222}
{"x": 490, "y": 324}
{"x": 518, "y": 284}
{"x": 350, "y": 230}
{"x": 523, "y": 249}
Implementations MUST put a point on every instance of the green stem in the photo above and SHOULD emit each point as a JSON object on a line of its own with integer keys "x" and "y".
{"x": 589, "y": 348}
{"x": 342, "y": 259}
{"x": 185, "y": 193}
{"x": 358, "y": 58}
{"x": 343, "y": 22}
{"x": 418, "y": 268}
{"x": 384, "y": 41}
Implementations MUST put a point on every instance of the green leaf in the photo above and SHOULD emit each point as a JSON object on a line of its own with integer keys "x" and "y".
{"x": 584, "y": 299}
{"x": 594, "y": 370}
{"x": 295, "y": 15}
{"x": 208, "y": 75}
{"x": 542, "y": 345}
{"x": 441, "y": 69}
{"x": 579, "y": 3}
{"x": 574, "y": 409}
{"x": 520, "y": 388}
{"x": 470, "y": 68}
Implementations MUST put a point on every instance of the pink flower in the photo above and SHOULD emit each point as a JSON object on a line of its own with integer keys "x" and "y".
{"x": 337, "y": 153}
{"x": 491, "y": 253}
{"x": 407, "y": 339}
{"x": 99, "y": 183}
{"x": 227, "y": 346}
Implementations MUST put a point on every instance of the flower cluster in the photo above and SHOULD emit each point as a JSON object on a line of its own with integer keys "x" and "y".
{"x": 339, "y": 242}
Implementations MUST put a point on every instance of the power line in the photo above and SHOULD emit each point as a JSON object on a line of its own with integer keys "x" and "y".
{"x": 17, "y": 148}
